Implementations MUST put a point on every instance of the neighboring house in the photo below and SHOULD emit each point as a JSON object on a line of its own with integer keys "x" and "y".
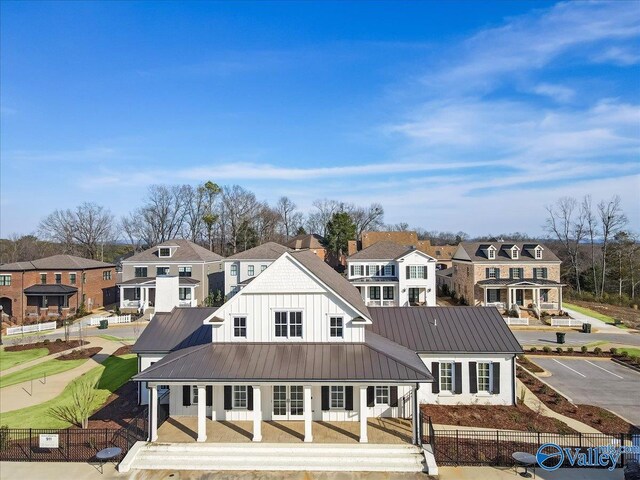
{"x": 298, "y": 343}
{"x": 508, "y": 275}
{"x": 388, "y": 274}
{"x": 240, "y": 269}
{"x": 444, "y": 277}
{"x": 442, "y": 253}
{"x": 314, "y": 243}
{"x": 55, "y": 287}
{"x": 174, "y": 273}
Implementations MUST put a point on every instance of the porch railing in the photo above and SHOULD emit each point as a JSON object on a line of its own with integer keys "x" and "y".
{"x": 548, "y": 306}
{"x": 516, "y": 321}
{"x": 498, "y": 305}
{"x": 131, "y": 303}
{"x": 382, "y": 303}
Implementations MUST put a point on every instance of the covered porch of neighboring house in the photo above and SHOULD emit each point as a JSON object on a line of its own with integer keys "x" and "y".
{"x": 50, "y": 301}
{"x": 378, "y": 291}
{"x": 529, "y": 295}
{"x": 140, "y": 293}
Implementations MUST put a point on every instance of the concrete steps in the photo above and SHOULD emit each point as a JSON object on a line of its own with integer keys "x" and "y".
{"x": 275, "y": 457}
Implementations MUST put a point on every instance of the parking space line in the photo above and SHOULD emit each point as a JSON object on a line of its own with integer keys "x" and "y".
{"x": 566, "y": 366}
{"x": 614, "y": 374}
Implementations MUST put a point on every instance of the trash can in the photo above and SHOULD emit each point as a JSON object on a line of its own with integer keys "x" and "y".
{"x": 104, "y": 324}
{"x": 586, "y": 328}
{"x": 560, "y": 337}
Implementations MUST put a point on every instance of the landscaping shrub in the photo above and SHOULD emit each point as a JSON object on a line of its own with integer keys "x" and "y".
{"x": 613, "y": 350}
{"x": 597, "y": 350}
{"x": 58, "y": 340}
{"x": 546, "y": 349}
{"x": 584, "y": 349}
{"x": 559, "y": 349}
{"x": 624, "y": 354}
{"x": 46, "y": 341}
{"x": 533, "y": 349}
{"x": 570, "y": 349}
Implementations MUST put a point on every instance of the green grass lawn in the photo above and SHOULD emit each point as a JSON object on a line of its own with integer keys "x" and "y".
{"x": 633, "y": 352}
{"x": 48, "y": 368}
{"x": 593, "y": 313}
{"x": 11, "y": 359}
{"x": 111, "y": 375}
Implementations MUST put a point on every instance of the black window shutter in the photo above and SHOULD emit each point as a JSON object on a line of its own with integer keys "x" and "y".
{"x": 473, "y": 378}
{"x": 497, "y": 273}
{"x": 371, "y": 396}
{"x": 425, "y": 271}
{"x": 408, "y": 271}
{"x": 351, "y": 269}
{"x": 497, "y": 295}
{"x": 535, "y": 273}
{"x": 495, "y": 367}
{"x": 325, "y": 398}
{"x": 511, "y": 272}
{"x": 435, "y": 371}
{"x": 486, "y": 273}
{"x": 366, "y": 270}
{"x": 228, "y": 401}
{"x": 186, "y": 395}
{"x": 348, "y": 398}
{"x": 544, "y": 272}
{"x": 393, "y": 396}
{"x": 249, "y": 398}
{"x": 457, "y": 377}
{"x": 393, "y": 270}
{"x": 209, "y": 395}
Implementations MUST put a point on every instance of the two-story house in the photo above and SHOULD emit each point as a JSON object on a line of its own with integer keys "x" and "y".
{"x": 297, "y": 356}
{"x": 389, "y": 274}
{"x": 55, "y": 287}
{"x": 175, "y": 273}
{"x": 508, "y": 275}
{"x": 241, "y": 268}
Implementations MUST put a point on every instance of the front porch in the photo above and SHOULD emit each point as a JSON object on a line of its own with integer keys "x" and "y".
{"x": 534, "y": 296}
{"x": 381, "y": 431}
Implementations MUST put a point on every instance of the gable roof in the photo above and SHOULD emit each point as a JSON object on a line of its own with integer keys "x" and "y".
{"x": 180, "y": 328}
{"x": 308, "y": 240}
{"x": 408, "y": 237}
{"x": 266, "y": 251}
{"x": 186, "y": 251}
{"x": 385, "y": 250}
{"x": 56, "y": 262}
{"x": 445, "y": 329}
{"x": 474, "y": 250}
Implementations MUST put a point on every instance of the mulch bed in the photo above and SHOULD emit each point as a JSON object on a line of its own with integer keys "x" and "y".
{"x": 528, "y": 364}
{"x": 596, "y": 417}
{"x": 124, "y": 350}
{"x": 53, "y": 347}
{"x": 119, "y": 409}
{"x": 512, "y": 417}
{"x": 80, "y": 354}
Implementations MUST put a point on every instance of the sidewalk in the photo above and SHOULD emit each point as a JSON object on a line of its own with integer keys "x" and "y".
{"x": 599, "y": 325}
{"x": 20, "y": 396}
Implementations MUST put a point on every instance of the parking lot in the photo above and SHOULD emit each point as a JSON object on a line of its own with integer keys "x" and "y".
{"x": 596, "y": 382}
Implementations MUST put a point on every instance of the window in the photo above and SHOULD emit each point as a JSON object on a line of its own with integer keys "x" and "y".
{"x": 544, "y": 295}
{"x": 417, "y": 271}
{"x": 493, "y": 295}
{"x": 493, "y": 272}
{"x": 373, "y": 270}
{"x": 72, "y": 278}
{"x": 106, "y": 275}
{"x": 358, "y": 270}
{"x": 184, "y": 271}
{"x": 516, "y": 273}
{"x": 539, "y": 273}
{"x": 484, "y": 376}
{"x": 491, "y": 253}
{"x": 382, "y": 395}
{"x": 184, "y": 293}
{"x": 335, "y": 324}
{"x": 140, "y": 272}
{"x": 387, "y": 293}
{"x": 58, "y": 278}
{"x": 164, "y": 252}
{"x": 446, "y": 376}
{"x": 160, "y": 271}
{"x": 337, "y": 397}
{"x": 374, "y": 293}
{"x": 194, "y": 394}
{"x": 288, "y": 324}
{"x": 234, "y": 270}
{"x": 515, "y": 254}
{"x": 5, "y": 280}
{"x": 250, "y": 270}
{"x": 263, "y": 268}
{"x": 240, "y": 396}
{"x": 389, "y": 270}
{"x": 538, "y": 253}
{"x": 43, "y": 278}
{"x": 240, "y": 327}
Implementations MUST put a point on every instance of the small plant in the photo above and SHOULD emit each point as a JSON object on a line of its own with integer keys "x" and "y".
{"x": 559, "y": 349}
{"x": 533, "y": 349}
{"x": 584, "y": 349}
{"x": 546, "y": 349}
{"x": 58, "y": 340}
{"x": 597, "y": 350}
{"x": 624, "y": 354}
{"x": 570, "y": 349}
{"x": 613, "y": 350}
{"x": 46, "y": 341}
{"x": 523, "y": 395}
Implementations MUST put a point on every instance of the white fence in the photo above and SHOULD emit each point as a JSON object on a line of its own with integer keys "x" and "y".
{"x": 516, "y": 321}
{"x": 38, "y": 327}
{"x": 566, "y": 322}
{"x": 93, "y": 321}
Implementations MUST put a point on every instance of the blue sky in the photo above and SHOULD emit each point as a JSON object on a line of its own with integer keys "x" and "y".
{"x": 454, "y": 115}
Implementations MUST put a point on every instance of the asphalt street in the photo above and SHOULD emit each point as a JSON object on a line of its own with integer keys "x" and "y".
{"x": 574, "y": 338}
{"x": 596, "y": 382}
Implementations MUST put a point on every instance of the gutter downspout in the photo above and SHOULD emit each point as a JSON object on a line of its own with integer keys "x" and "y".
{"x": 513, "y": 378}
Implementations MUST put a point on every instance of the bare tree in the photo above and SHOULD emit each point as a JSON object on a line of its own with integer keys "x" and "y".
{"x": 162, "y": 216}
{"x": 612, "y": 219}
{"x": 591, "y": 226}
{"x": 366, "y": 218}
{"x": 569, "y": 228}
{"x": 87, "y": 227}
{"x": 79, "y": 410}
{"x": 195, "y": 208}
{"x": 286, "y": 211}
{"x": 318, "y": 219}
{"x": 239, "y": 206}
{"x": 131, "y": 229}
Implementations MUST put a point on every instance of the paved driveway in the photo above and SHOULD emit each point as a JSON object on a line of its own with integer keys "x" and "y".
{"x": 596, "y": 382}
{"x": 573, "y": 338}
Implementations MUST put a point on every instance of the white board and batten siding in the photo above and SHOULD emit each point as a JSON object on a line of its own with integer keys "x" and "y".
{"x": 145, "y": 360}
{"x": 286, "y": 287}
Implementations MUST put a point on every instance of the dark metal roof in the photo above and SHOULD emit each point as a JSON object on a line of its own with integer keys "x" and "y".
{"x": 317, "y": 362}
{"x": 180, "y": 328}
{"x": 501, "y": 282}
{"x": 54, "y": 289}
{"x": 150, "y": 280}
{"x": 445, "y": 329}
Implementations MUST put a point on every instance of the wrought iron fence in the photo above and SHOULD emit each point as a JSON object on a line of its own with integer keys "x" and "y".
{"x": 495, "y": 447}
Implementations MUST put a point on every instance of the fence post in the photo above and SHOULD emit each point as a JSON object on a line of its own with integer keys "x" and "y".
{"x": 497, "y": 447}
{"x": 580, "y": 437}
{"x": 457, "y": 447}
{"x": 30, "y": 444}
{"x": 621, "y": 449}
{"x": 68, "y": 452}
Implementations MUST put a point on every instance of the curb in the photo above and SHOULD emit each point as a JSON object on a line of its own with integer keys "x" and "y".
{"x": 624, "y": 364}
{"x": 551, "y": 387}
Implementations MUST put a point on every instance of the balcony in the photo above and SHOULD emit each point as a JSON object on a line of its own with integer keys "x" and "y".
{"x": 498, "y": 305}
{"x": 548, "y": 306}
{"x": 382, "y": 303}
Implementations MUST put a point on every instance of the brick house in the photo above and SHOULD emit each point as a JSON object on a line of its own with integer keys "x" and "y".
{"x": 314, "y": 243}
{"x": 55, "y": 287}
{"x": 508, "y": 275}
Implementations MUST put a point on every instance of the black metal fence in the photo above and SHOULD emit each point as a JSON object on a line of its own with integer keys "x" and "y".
{"x": 495, "y": 447}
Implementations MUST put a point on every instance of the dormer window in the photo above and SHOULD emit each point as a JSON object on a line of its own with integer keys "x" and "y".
{"x": 164, "y": 252}
{"x": 538, "y": 252}
{"x": 491, "y": 252}
{"x": 515, "y": 253}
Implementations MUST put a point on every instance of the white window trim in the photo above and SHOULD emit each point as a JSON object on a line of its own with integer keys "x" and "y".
{"x": 165, "y": 256}
{"x": 140, "y": 266}
{"x": 537, "y": 253}
{"x": 344, "y": 399}
{"x": 233, "y": 324}
{"x": 6, "y": 275}
{"x": 251, "y": 270}
{"x": 288, "y": 324}
{"x": 389, "y": 268}
{"x": 387, "y": 394}
{"x": 490, "y": 383}
{"x": 452, "y": 389}
{"x": 236, "y": 389}
{"x": 234, "y": 267}
{"x": 162, "y": 266}
{"x": 194, "y": 394}
{"x": 493, "y": 270}
{"x": 341, "y": 317}
{"x": 185, "y": 289}
{"x": 190, "y": 267}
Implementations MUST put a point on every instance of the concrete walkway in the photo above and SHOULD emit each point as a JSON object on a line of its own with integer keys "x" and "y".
{"x": 34, "y": 392}
{"x": 599, "y": 325}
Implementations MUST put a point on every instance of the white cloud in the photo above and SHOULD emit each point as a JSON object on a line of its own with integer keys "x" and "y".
{"x": 559, "y": 93}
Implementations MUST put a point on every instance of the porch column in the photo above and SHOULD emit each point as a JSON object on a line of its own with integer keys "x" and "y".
{"x": 308, "y": 420}
{"x": 485, "y": 296}
{"x": 415, "y": 415}
{"x": 559, "y": 298}
{"x": 202, "y": 413}
{"x": 257, "y": 413}
{"x": 153, "y": 413}
{"x": 363, "y": 414}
